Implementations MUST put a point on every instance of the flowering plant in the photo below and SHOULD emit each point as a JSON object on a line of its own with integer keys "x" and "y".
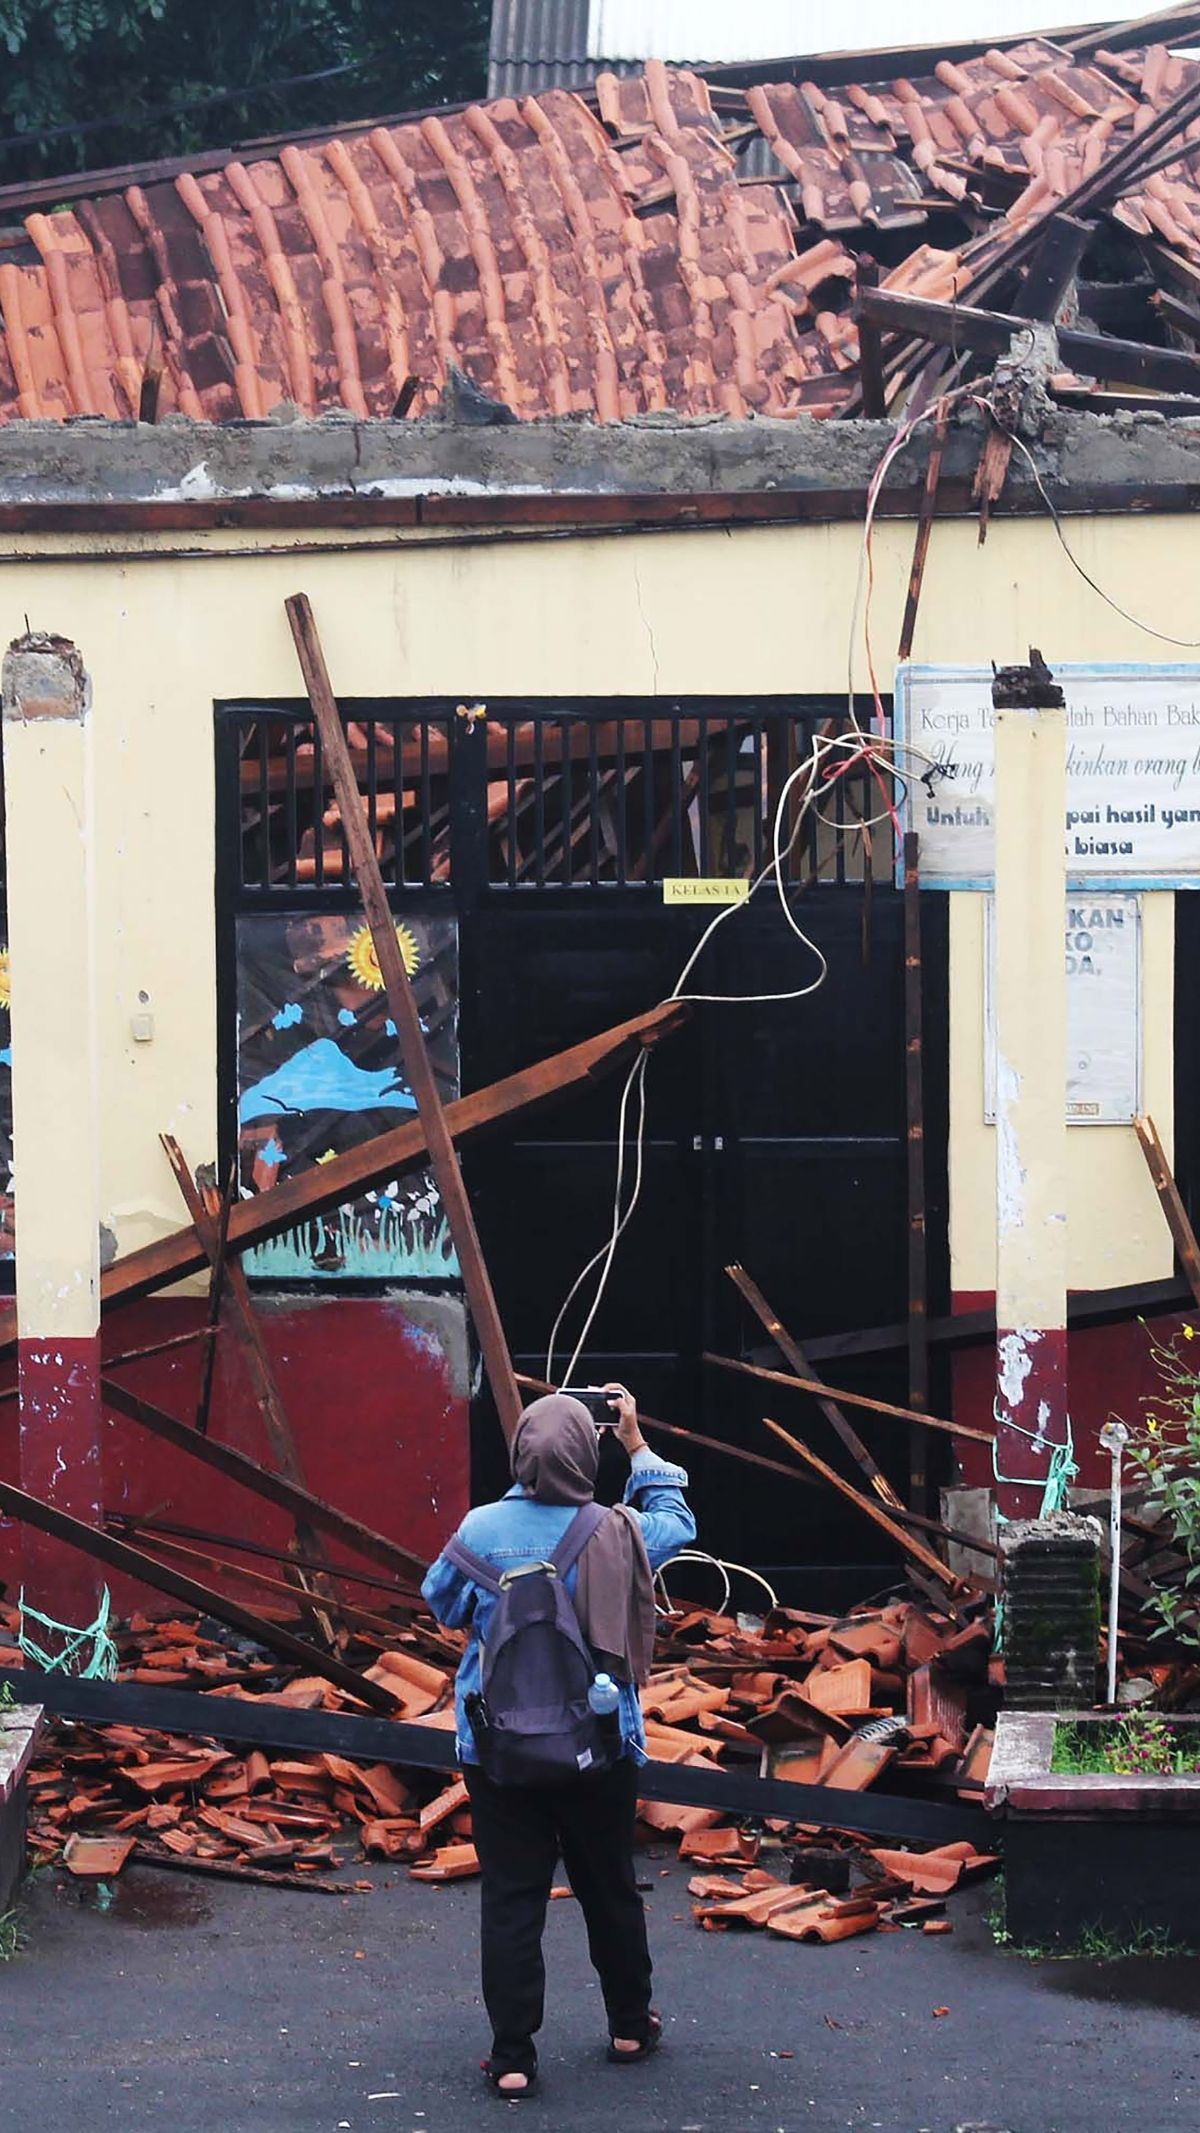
{"x": 1166, "y": 1451}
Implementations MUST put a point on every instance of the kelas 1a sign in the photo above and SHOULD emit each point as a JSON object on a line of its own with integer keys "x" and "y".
{"x": 1104, "y": 1010}
{"x": 1133, "y": 774}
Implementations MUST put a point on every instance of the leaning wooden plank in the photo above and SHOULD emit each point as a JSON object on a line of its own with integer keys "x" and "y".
{"x": 852, "y": 1399}
{"x": 276, "y": 1488}
{"x": 1172, "y": 1205}
{"x": 228, "y": 1275}
{"x": 906, "y": 1541}
{"x": 402, "y": 1002}
{"x": 328, "y": 1185}
{"x": 793, "y": 1353}
{"x": 118, "y": 1555}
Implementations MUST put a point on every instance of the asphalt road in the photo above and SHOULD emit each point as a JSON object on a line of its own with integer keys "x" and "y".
{"x": 201, "y": 2007}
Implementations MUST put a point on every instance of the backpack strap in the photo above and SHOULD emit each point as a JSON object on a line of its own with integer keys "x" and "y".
{"x": 587, "y": 1519}
{"x": 476, "y": 1567}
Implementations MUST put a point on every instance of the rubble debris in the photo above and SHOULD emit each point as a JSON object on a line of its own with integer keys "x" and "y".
{"x": 724, "y": 1695}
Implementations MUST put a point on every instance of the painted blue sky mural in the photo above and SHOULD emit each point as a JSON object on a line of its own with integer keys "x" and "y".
{"x": 319, "y": 1072}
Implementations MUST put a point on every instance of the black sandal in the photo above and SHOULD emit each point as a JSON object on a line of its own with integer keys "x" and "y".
{"x": 494, "y": 2075}
{"x": 645, "y": 2048}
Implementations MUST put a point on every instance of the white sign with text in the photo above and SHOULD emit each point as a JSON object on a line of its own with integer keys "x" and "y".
{"x": 1104, "y": 1010}
{"x": 1133, "y": 774}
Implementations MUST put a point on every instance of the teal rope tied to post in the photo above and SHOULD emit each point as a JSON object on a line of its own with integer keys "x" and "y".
{"x": 102, "y": 1662}
{"x": 1060, "y": 1474}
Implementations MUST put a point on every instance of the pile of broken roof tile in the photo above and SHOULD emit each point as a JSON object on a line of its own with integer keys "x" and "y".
{"x": 900, "y": 1688}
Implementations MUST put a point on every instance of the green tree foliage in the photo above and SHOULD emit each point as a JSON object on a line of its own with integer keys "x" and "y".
{"x": 122, "y": 81}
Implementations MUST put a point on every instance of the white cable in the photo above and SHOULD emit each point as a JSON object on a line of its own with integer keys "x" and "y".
{"x": 693, "y": 1555}
{"x": 1187, "y": 644}
{"x": 823, "y": 746}
{"x": 879, "y": 752}
{"x": 715, "y": 1562}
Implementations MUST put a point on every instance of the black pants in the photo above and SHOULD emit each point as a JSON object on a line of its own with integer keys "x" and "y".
{"x": 519, "y": 1833}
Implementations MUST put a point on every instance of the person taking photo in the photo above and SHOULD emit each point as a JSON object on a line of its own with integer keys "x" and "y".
{"x": 557, "y": 1596}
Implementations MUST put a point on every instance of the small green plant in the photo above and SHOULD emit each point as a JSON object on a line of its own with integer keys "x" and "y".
{"x": 1166, "y": 1451}
{"x": 995, "y": 1917}
{"x": 1139, "y": 1746}
{"x": 11, "y": 1936}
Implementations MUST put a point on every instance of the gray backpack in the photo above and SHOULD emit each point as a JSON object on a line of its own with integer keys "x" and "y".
{"x": 532, "y": 1723}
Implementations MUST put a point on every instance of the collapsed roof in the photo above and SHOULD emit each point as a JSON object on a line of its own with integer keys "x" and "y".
{"x": 602, "y": 253}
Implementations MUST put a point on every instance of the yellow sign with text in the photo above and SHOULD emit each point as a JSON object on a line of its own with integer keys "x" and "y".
{"x": 704, "y": 889}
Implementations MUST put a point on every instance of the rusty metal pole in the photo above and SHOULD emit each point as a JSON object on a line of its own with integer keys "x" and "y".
{"x": 1030, "y": 1007}
{"x": 914, "y": 1093}
{"x": 497, "y": 1361}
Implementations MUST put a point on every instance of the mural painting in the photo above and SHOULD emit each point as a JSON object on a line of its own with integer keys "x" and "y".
{"x": 319, "y": 1071}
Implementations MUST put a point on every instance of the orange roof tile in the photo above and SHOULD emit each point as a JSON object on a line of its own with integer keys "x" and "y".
{"x": 608, "y": 261}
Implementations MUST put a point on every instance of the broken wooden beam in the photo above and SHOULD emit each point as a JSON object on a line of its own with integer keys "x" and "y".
{"x": 793, "y": 1353}
{"x": 401, "y": 999}
{"x": 990, "y": 333}
{"x": 916, "y": 576}
{"x": 975, "y": 1329}
{"x": 819, "y": 1390}
{"x": 135, "y": 1563}
{"x": 328, "y": 1185}
{"x": 907, "y": 1542}
{"x": 276, "y": 1488}
{"x": 1182, "y": 1233}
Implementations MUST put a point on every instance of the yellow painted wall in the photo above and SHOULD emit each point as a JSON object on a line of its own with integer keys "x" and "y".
{"x": 762, "y": 609}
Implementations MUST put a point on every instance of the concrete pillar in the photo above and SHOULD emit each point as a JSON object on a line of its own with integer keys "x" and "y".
{"x": 56, "y": 1115}
{"x": 1030, "y": 1006}
{"x": 1050, "y": 1570}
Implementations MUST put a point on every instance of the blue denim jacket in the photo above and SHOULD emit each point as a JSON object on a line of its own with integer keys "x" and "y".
{"x": 517, "y": 1530}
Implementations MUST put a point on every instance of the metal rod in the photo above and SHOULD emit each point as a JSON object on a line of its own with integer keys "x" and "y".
{"x": 914, "y": 1101}
{"x": 1114, "y": 1437}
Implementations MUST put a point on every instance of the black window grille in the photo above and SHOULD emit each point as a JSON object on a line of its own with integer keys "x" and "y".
{"x": 529, "y": 796}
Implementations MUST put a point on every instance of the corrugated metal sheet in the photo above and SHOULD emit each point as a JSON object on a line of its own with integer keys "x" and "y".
{"x": 536, "y": 45}
{"x": 734, "y": 31}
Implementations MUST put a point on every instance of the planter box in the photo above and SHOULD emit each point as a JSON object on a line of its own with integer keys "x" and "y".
{"x": 20, "y": 1728}
{"x": 1115, "y": 1853}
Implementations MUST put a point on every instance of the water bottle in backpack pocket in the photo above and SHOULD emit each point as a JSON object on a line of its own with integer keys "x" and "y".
{"x": 534, "y": 1720}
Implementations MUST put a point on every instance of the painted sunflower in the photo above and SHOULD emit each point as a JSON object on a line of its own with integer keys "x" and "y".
{"x": 363, "y": 963}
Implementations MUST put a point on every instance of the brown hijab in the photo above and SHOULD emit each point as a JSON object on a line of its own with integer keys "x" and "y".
{"x": 556, "y": 1457}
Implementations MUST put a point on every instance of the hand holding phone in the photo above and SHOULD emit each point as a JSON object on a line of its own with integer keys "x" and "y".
{"x": 601, "y": 1401}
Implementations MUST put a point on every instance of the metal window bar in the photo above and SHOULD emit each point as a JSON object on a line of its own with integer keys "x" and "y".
{"x": 579, "y": 797}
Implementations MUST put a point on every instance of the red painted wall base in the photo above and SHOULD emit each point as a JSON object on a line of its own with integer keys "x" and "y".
{"x": 1109, "y": 1372}
{"x": 59, "y": 1431}
{"x": 376, "y": 1390}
